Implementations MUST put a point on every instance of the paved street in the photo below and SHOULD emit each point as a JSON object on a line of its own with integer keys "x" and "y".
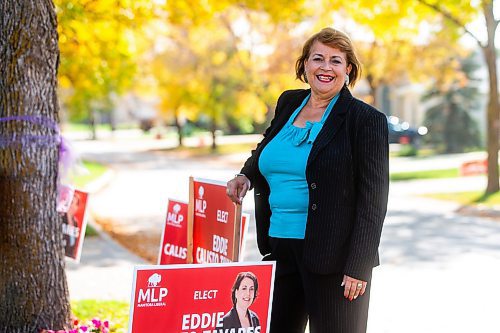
{"x": 439, "y": 271}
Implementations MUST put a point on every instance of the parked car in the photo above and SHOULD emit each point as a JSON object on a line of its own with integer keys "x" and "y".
{"x": 402, "y": 133}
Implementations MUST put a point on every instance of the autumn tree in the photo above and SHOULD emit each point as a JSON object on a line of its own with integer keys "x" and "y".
{"x": 233, "y": 87}
{"x": 98, "y": 53}
{"x": 453, "y": 13}
{"x": 33, "y": 289}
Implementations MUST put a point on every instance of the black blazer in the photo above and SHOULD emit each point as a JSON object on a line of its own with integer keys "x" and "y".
{"x": 348, "y": 177}
{"x": 231, "y": 319}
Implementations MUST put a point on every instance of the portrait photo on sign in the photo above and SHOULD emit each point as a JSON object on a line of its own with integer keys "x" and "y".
{"x": 202, "y": 298}
{"x": 243, "y": 294}
{"x": 72, "y": 207}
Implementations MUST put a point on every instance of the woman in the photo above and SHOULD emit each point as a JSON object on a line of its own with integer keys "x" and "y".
{"x": 321, "y": 184}
{"x": 71, "y": 228}
{"x": 243, "y": 295}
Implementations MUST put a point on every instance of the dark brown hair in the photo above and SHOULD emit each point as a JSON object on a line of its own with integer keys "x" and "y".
{"x": 237, "y": 284}
{"x": 335, "y": 39}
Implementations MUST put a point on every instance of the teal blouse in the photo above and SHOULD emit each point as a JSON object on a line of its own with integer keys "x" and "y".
{"x": 283, "y": 164}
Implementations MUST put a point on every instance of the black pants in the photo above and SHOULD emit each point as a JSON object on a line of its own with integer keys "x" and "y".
{"x": 300, "y": 295}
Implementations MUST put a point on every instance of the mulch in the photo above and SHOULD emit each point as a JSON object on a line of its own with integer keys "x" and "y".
{"x": 141, "y": 243}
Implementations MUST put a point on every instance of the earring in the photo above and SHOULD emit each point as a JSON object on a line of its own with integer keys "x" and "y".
{"x": 347, "y": 79}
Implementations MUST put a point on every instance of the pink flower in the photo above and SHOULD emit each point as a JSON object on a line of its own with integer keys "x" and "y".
{"x": 96, "y": 322}
{"x": 84, "y": 328}
{"x": 106, "y": 323}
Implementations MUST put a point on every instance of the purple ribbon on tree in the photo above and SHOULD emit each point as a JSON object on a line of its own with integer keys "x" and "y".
{"x": 24, "y": 139}
{"x": 66, "y": 155}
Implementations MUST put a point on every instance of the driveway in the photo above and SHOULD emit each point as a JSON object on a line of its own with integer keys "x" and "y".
{"x": 440, "y": 271}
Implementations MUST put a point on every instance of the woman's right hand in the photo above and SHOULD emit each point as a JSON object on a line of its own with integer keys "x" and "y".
{"x": 237, "y": 188}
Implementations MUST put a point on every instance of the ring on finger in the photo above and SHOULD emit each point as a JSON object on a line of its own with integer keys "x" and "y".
{"x": 359, "y": 286}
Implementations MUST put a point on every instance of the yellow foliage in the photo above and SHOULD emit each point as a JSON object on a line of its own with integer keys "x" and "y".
{"x": 97, "y": 48}
{"x": 231, "y": 59}
{"x": 250, "y": 106}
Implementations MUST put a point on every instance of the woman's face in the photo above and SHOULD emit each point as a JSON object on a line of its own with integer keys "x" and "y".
{"x": 74, "y": 205}
{"x": 245, "y": 294}
{"x": 325, "y": 69}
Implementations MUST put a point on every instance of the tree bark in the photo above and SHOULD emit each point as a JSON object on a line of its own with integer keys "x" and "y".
{"x": 179, "y": 128}
{"x": 33, "y": 288}
{"x": 493, "y": 105}
{"x": 92, "y": 124}
{"x": 213, "y": 130}
{"x": 373, "y": 90}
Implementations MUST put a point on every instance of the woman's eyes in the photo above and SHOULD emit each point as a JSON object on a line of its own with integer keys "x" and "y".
{"x": 333, "y": 61}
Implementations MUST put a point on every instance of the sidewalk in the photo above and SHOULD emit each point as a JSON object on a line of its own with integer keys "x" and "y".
{"x": 104, "y": 272}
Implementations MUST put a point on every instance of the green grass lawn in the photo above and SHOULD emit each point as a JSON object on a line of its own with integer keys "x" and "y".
{"x": 225, "y": 149}
{"x": 425, "y": 174}
{"x": 468, "y": 198}
{"x": 116, "y": 312}
{"x": 79, "y": 127}
{"x": 95, "y": 170}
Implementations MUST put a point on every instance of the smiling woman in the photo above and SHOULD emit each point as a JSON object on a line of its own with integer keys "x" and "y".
{"x": 321, "y": 177}
{"x": 243, "y": 294}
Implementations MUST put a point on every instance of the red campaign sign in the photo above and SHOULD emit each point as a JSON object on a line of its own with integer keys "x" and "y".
{"x": 72, "y": 205}
{"x": 202, "y": 298}
{"x": 245, "y": 219}
{"x": 214, "y": 223}
{"x": 173, "y": 246}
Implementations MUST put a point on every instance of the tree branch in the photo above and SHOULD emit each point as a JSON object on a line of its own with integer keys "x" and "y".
{"x": 451, "y": 18}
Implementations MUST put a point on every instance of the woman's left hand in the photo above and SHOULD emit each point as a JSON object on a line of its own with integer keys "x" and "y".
{"x": 353, "y": 287}
{"x": 237, "y": 188}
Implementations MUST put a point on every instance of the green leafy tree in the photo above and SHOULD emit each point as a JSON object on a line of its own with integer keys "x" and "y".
{"x": 459, "y": 13}
{"x": 450, "y": 124}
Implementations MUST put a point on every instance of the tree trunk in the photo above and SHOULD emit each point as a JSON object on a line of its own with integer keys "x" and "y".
{"x": 493, "y": 104}
{"x": 213, "y": 129}
{"x": 373, "y": 90}
{"x": 33, "y": 289}
{"x": 92, "y": 124}
{"x": 179, "y": 128}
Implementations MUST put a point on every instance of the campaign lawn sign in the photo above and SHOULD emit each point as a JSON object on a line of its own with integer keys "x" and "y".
{"x": 214, "y": 223}
{"x": 199, "y": 298}
{"x": 173, "y": 246}
{"x": 72, "y": 205}
{"x": 245, "y": 220}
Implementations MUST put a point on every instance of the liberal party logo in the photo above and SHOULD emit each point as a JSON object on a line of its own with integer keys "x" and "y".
{"x": 153, "y": 294}
{"x": 174, "y": 218}
{"x": 200, "y": 205}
